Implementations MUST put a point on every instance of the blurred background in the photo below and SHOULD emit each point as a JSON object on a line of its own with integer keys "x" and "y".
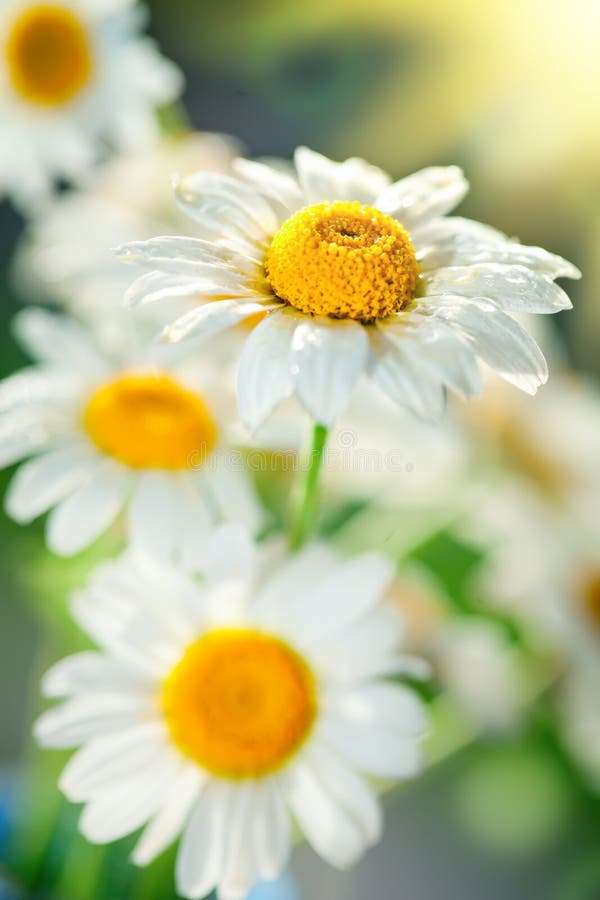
{"x": 509, "y": 90}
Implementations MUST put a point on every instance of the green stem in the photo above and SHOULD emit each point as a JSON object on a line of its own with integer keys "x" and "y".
{"x": 304, "y": 517}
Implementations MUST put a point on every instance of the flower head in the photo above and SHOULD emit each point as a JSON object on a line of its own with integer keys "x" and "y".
{"x": 107, "y": 433}
{"x": 257, "y": 692}
{"x": 74, "y": 74}
{"x": 348, "y": 275}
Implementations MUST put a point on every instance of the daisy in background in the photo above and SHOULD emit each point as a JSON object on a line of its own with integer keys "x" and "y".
{"x": 65, "y": 256}
{"x": 536, "y": 519}
{"x": 258, "y": 694}
{"x": 76, "y": 77}
{"x": 106, "y": 434}
{"x": 534, "y": 507}
{"x": 457, "y": 645}
{"x": 352, "y": 275}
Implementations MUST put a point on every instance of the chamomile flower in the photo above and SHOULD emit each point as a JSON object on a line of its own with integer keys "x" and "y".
{"x": 74, "y": 76}
{"x": 107, "y": 434}
{"x": 216, "y": 708}
{"x": 352, "y": 275}
{"x": 535, "y": 515}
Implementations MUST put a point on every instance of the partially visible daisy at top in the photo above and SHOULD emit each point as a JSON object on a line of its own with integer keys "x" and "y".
{"x": 66, "y": 257}
{"x": 352, "y": 275}
{"x": 102, "y": 435}
{"x": 76, "y": 76}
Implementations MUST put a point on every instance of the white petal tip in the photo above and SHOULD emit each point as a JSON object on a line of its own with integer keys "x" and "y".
{"x": 166, "y": 336}
{"x": 140, "y": 858}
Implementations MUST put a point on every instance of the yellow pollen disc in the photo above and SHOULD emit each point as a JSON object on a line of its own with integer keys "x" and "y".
{"x": 343, "y": 260}
{"x": 150, "y": 422}
{"x": 239, "y": 703}
{"x": 48, "y": 55}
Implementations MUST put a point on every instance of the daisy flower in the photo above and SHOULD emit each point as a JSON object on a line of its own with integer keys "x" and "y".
{"x": 456, "y": 646}
{"x": 258, "y": 694}
{"x": 351, "y": 275}
{"x": 106, "y": 434}
{"x": 74, "y": 75}
{"x": 65, "y": 256}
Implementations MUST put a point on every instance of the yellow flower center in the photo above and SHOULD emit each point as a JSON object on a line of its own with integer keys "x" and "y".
{"x": 150, "y": 422}
{"x": 343, "y": 260}
{"x": 239, "y": 703}
{"x": 48, "y": 55}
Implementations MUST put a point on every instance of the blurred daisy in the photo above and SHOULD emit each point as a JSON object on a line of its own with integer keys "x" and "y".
{"x": 65, "y": 256}
{"x": 106, "y": 434}
{"x": 495, "y": 697}
{"x": 351, "y": 275}
{"x": 459, "y": 645}
{"x": 258, "y": 693}
{"x": 74, "y": 74}
{"x": 550, "y": 444}
{"x": 579, "y": 717}
{"x": 535, "y": 514}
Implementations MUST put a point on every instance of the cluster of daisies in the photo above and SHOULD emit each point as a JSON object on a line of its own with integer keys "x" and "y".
{"x": 252, "y": 679}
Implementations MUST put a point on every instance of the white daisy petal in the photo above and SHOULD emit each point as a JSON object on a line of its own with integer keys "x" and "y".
{"x": 361, "y": 647}
{"x": 406, "y": 378}
{"x": 34, "y": 386}
{"x": 195, "y": 192}
{"x": 91, "y": 671}
{"x": 271, "y": 831}
{"x": 155, "y": 286}
{"x": 170, "y": 820}
{"x": 273, "y": 184}
{"x": 21, "y": 435}
{"x": 351, "y": 791}
{"x": 496, "y": 338}
{"x": 424, "y": 195}
{"x": 346, "y": 594}
{"x": 513, "y": 288}
{"x": 393, "y": 707}
{"x": 455, "y": 241}
{"x": 230, "y": 554}
{"x": 328, "y": 358}
{"x": 323, "y": 180}
{"x": 201, "y": 855}
{"x": 448, "y": 356}
{"x": 329, "y": 829}
{"x": 82, "y": 516}
{"x": 129, "y": 804}
{"x": 112, "y": 758}
{"x": 233, "y": 494}
{"x": 240, "y": 869}
{"x": 79, "y": 720}
{"x": 293, "y": 581}
{"x": 211, "y": 318}
{"x": 56, "y": 339}
{"x": 182, "y": 249}
{"x": 43, "y": 481}
{"x": 153, "y": 516}
{"x": 195, "y": 526}
{"x": 375, "y": 752}
{"x": 264, "y": 375}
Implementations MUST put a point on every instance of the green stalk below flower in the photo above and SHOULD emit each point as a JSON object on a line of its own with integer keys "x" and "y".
{"x": 304, "y": 517}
